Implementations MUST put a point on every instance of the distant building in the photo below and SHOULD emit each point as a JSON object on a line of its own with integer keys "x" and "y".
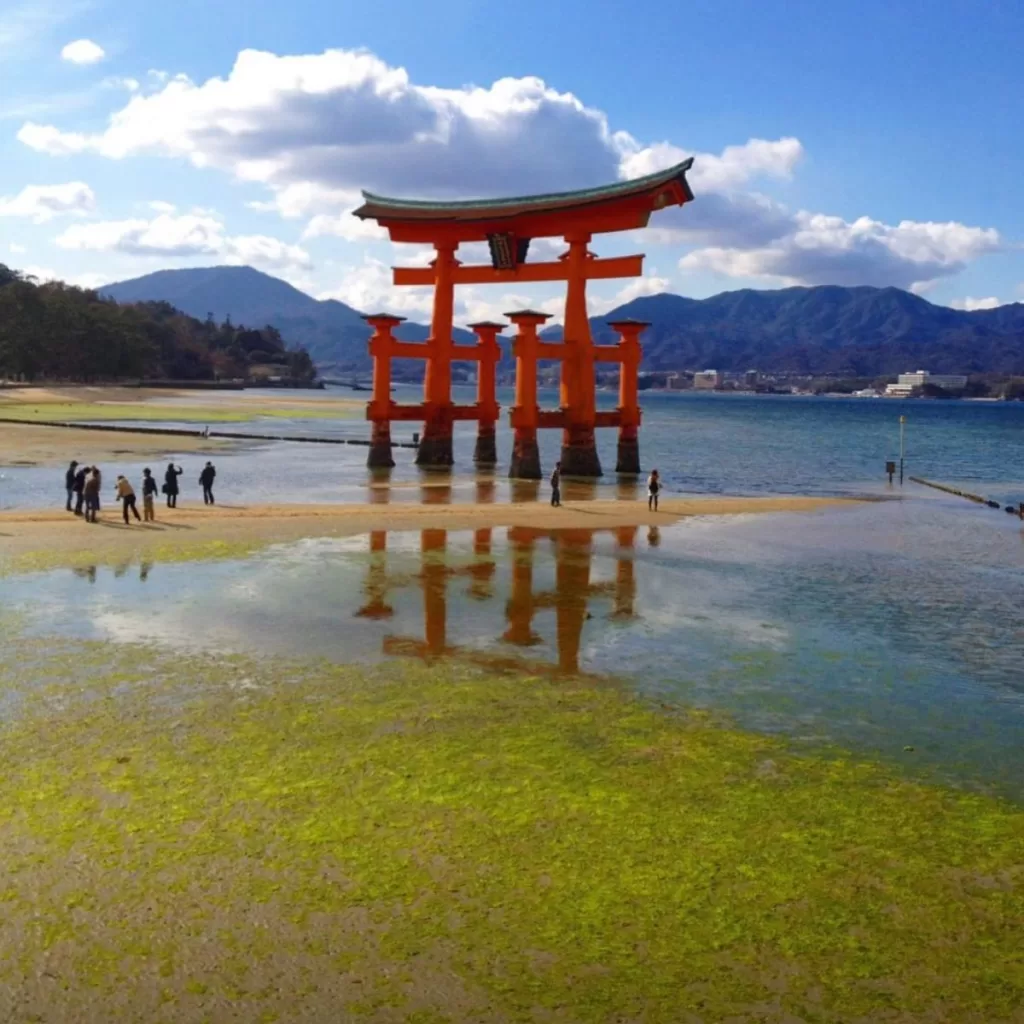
{"x": 676, "y": 382}
{"x": 707, "y": 380}
{"x": 907, "y": 383}
{"x": 751, "y": 379}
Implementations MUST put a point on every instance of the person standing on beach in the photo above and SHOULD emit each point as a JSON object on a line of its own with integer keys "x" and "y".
{"x": 148, "y": 493}
{"x": 79, "y": 488}
{"x": 126, "y": 493}
{"x": 653, "y": 487}
{"x": 92, "y": 494}
{"x": 206, "y": 478}
{"x": 99, "y": 486}
{"x": 556, "y": 486}
{"x": 171, "y": 484}
{"x": 69, "y": 482}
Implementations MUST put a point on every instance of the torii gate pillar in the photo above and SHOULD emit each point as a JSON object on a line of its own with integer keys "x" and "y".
{"x": 629, "y": 331}
{"x": 525, "y": 414}
{"x": 381, "y": 409}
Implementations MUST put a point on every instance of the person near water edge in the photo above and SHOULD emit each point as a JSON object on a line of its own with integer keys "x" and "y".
{"x": 79, "y": 488}
{"x": 126, "y": 493}
{"x": 91, "y": 492}
{"x": 653, "y": 487}
{"x": 556, "y": 486}
{"x": 206, "y": 478}
{"x": 148, "y": 494}
{"x": 171, "y": 484}
{"x": 69, "y": 482}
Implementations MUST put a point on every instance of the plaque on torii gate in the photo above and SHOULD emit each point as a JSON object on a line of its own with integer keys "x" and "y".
{"x": 508, "y": 226}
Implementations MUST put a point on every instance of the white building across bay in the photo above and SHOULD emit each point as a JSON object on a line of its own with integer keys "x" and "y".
{"x": 908, "y": 383}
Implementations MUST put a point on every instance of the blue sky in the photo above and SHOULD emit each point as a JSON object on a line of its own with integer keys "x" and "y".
{"x": 868, "y": 143}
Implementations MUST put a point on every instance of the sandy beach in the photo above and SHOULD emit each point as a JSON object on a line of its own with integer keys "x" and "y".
{"x": 39, "y": 539}
{"x": 31, "y": 445}
{"x": 26, "y": 445}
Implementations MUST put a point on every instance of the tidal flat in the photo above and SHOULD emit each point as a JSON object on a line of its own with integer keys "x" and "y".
{"x": 209, "y": 837}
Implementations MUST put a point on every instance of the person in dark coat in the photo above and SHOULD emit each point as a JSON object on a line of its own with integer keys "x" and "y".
{"x": 556, "y": 485}
{"x": 69, "y": 481}
{"x": 206, "y": 478}
{"x": 171, "y": 484}
{"x": 79, "y": 488}
{"x": 148, "y": 494}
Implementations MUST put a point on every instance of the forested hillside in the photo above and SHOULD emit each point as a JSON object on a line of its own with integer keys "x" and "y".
{"x": 55, "y": 331}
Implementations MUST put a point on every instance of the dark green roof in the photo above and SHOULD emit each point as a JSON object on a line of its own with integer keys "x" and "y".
{"x": 385, "y": 207}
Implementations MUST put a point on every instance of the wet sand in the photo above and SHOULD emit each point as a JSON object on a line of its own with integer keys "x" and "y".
{"x": 24, "y": 445}
{"x": 39, "y": 539}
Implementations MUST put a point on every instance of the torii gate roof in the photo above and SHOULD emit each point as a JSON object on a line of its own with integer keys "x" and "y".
{"x": 620, "y": 206}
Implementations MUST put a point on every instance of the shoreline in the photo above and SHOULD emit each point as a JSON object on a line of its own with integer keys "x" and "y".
{"x": 34, "y": 540}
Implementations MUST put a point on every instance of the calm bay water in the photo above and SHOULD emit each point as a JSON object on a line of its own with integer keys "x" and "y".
{"x": 700, "y": 443}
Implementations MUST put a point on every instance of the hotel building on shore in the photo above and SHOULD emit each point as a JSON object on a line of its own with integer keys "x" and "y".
{"x": 907, "y": 383}
{"x": 708, "y": 380}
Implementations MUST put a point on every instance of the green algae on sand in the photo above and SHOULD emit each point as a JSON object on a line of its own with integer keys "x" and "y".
{"x": 318, "y": 842}
{"x": 75, "y": 412}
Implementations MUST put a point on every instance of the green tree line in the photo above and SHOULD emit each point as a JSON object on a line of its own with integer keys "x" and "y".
{"x": 55, "y": 331}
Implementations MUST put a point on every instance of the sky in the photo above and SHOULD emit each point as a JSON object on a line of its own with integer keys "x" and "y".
{"x": 869, "y": 143}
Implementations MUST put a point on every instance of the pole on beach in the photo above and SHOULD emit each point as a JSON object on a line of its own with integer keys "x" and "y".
{"x": 903, "y": 424}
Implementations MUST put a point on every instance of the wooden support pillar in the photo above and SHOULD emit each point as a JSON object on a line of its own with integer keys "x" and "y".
{"x": 629, "y": 332}
{"x": 578, "y": 399}
{"x": 524, "y": 415}
{"x": 486, "y": 453}
{"x": 435, "y": 451}
{"x": 378, "y": 409}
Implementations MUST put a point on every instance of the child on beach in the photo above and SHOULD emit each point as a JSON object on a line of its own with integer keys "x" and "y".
{"x": 653, "y": 487}
{"x": 556, "y": 486}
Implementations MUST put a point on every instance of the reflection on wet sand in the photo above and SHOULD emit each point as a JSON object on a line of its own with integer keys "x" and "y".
{"x": 571, "y": 598}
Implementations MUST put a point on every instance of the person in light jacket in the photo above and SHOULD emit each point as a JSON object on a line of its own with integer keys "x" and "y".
{"x": 126, "y": 493}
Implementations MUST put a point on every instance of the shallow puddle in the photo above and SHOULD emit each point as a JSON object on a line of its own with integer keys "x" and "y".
{"x": 861, "y": 627}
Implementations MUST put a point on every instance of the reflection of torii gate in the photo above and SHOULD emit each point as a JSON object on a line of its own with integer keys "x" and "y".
{"x": 508, "y": 226}
{"x": 570, "y": 597}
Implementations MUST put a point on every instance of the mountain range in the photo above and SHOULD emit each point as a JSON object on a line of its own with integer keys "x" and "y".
{"x": 826, "y": 329}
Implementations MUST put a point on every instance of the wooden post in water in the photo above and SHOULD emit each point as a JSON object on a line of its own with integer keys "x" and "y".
{"x": 903, "y": 423}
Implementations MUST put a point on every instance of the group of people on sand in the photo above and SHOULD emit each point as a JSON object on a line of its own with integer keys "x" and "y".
{"x": 653, "y": 488}
{"x": 83, "y": 484}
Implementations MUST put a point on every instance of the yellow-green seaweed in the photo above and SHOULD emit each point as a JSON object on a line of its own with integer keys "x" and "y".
{"x": 191, "y": 838}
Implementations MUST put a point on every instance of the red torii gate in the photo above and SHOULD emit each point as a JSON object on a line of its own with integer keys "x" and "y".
{"x": 508, "y": 226}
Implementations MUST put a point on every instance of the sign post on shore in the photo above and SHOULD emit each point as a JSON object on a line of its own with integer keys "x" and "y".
{"x": 903, "y": 424}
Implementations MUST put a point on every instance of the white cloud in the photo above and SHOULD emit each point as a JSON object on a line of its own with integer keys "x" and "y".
{"x": 40, "y": 274}
{"x": 367, "y": 287}
{"x": 735, "y": 166}
{"x": 314, "y": 129}
{"x": 970, "y": 303}
{"x": 83, "y": 51}
{"x": 199, "y": 233}
{"x": 42, "y": 203}
{"x": 162, "y": 207}
{"x": 344, "y": 225}
{"x": 345, "y": 119}
{"x": 17, "y": 249}
{"x": 829, "y": 250}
